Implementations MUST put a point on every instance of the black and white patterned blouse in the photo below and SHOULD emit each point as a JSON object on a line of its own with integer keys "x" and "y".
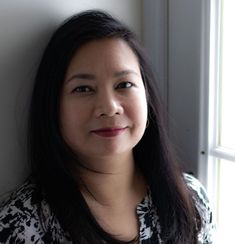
{"x": 26, "y": 219}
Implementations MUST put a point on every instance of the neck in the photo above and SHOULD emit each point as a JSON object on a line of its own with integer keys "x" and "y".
{"x": 118, "y": 177}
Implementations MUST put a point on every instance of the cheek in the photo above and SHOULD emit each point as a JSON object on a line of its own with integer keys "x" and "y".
{"x": 66, "y": 116}
{"x": 72, "y": 113}
{"x": 69, "y": 121}
{"x": 65, "y": 124}
{"x": 140, "y": 111}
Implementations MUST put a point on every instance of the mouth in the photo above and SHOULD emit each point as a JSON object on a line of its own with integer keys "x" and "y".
{"x": 109, "y": 132}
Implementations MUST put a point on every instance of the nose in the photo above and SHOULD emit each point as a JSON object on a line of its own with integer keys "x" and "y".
{"x": 108, "y": 104}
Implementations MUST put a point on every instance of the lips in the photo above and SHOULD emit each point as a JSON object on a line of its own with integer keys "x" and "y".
{"x": 109, "y": 132}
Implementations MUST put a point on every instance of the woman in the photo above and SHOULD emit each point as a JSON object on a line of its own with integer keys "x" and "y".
{"x": 103, "y": 170}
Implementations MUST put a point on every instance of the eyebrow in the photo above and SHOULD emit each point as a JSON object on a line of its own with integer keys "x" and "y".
{"x": 82, "y": 77}
{"x": 85, "y": 76}
{"x": 125, "y": 72}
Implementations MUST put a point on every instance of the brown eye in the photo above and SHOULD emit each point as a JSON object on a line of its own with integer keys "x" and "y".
{"x": 83, "y": 89}
{"x": 124, "y": 84}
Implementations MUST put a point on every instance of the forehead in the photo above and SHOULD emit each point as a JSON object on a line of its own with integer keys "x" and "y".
{"x": 112, "y": 54}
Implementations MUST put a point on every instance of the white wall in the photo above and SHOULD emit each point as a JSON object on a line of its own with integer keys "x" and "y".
{"x": 25, "y": 27}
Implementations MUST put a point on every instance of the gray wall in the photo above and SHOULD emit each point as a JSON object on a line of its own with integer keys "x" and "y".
{"x": 173, "y": 34}
{"x": 25, "y": 27}
{"x": 184, "y": 74}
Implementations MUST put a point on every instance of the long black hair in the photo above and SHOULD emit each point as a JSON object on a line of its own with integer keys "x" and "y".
{"x": 49, "y": 154}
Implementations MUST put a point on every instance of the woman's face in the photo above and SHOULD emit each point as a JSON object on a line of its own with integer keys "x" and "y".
{"x": 103, "y": 103}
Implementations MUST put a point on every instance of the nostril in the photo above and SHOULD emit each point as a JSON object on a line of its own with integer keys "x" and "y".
{"x": 107, "y": 106}
{"x": 109, "y": 114}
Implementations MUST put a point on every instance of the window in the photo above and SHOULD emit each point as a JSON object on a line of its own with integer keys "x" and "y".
{"x": 196, "y": 40}
{"x": 221, "y": 171}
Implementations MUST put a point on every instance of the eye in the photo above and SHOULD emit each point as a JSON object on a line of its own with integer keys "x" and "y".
{"x": 83, "y": 89}
{"x": 124, "y": 84}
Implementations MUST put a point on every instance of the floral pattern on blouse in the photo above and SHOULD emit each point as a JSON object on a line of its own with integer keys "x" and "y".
{"x": 27, "y": 218}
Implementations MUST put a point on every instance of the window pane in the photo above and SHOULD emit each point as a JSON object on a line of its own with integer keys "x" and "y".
{"x": 226, "y": 201}
{"x": 227, "y": 75}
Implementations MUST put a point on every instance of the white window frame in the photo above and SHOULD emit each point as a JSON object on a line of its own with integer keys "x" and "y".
{"x": 216, "y": 152}
{"x": 208, "y": 167}
{"x": 203, "y": 165}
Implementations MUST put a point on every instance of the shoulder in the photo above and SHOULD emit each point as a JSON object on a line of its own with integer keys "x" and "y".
{"x": 197, "y": 188}
{"x": 20, "y": 202}
{"x": 25, "y": 217}
{"x": 203, "y": 207}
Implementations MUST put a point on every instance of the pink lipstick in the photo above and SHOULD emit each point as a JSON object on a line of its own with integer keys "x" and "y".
{"x": 108, "y": 132}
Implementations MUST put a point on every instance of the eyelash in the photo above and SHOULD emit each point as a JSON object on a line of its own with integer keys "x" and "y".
{"x": 83, "y": 89}
{"x": 128, "y": 83}
{"x": 87, "y": 89}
